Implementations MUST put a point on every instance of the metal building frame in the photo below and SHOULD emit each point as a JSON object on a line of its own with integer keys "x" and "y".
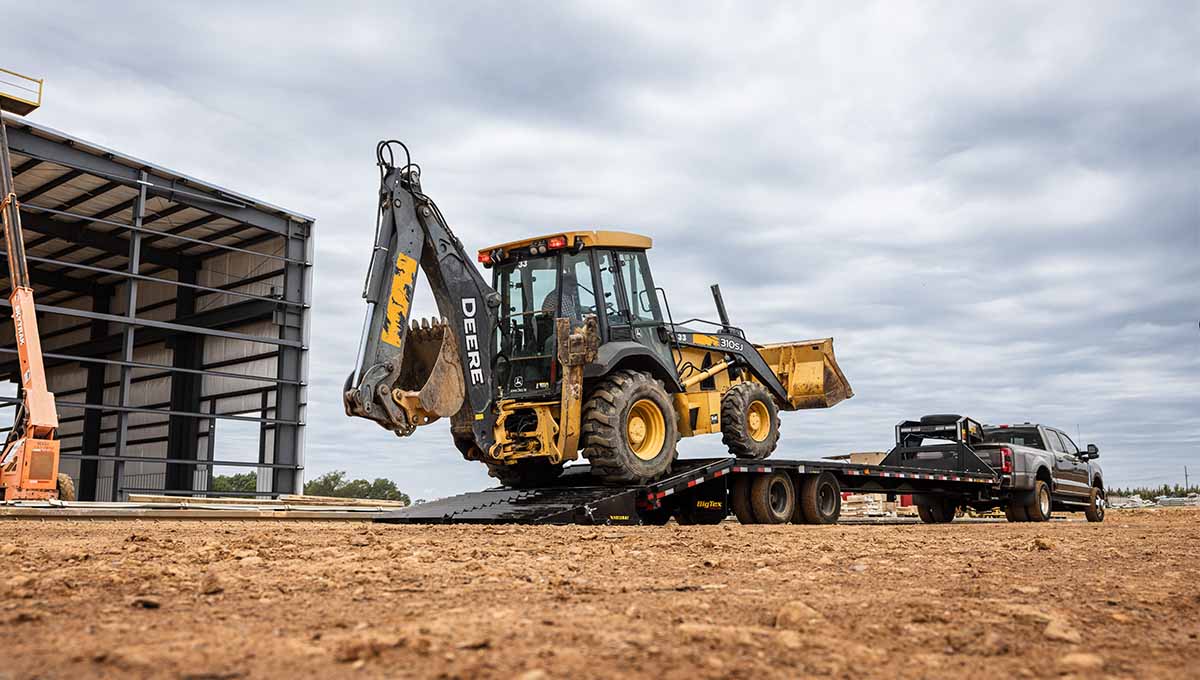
{"x": 100, "y": 228}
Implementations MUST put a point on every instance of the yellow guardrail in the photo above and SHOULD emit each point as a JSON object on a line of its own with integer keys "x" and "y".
{"x": 19, "y": 93}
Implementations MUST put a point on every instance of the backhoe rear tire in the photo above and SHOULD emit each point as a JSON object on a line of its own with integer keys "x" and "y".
{"x": 629, "y": 428}
{"x": 66, "y": 487}
{"x": 526, "y": 473}
{"x": 749, "y": 421}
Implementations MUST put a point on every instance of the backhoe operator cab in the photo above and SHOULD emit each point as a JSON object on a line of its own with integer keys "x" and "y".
{"x": 570, "y": 349}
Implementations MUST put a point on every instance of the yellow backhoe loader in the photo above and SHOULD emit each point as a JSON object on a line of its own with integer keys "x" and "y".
{"x": 570, "y": 350}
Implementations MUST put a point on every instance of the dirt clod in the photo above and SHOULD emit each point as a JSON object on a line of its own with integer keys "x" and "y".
{"x": 211, "y": 584}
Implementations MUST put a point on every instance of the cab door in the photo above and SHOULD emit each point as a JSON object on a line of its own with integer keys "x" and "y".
{"x": 1066, "y": 464}
{"x": 633, "y": 306}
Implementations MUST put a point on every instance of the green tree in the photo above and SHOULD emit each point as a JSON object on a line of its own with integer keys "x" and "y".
{"x": 247, "y": 481}
{"x": 335, "y": 484}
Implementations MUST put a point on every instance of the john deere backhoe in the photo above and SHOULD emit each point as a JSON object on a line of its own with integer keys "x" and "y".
{"x": 571, "y": 349}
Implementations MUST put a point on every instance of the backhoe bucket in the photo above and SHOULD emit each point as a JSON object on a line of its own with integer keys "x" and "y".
{"x": 430, "y": 385}
{"x": 809, "y": 372}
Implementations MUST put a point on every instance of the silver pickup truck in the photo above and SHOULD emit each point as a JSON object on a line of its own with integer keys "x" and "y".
{"x": 1037, "y": 469}
{"x": 1051, "y": 470}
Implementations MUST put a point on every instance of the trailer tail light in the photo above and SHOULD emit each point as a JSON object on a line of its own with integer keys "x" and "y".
{"x": 1006, "y": 465}
{"x": 556, "y": 242}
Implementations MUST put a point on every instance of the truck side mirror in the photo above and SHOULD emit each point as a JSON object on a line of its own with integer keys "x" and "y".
{"x": 1093, "y": 451}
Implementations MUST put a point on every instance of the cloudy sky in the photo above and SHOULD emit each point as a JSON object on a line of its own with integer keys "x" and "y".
{"x": 994, "y": 208}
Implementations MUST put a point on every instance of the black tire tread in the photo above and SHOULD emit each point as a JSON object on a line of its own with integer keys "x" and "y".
{"x": 734, "y": 432}
{"x": 760, "y": 498}
{"x": 603, "y": 433}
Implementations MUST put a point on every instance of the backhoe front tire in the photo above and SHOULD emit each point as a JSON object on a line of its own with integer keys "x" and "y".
{"x": 749, "y": 421}
{"x": 629, "y": 428}
{"x": 525, "y": 473}
{"x": 66, "y": 487}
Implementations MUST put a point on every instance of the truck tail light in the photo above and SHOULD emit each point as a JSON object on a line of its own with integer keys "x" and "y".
{"x": 1006, "y": 465}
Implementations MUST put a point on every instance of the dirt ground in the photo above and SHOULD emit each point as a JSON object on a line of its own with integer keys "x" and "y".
{"x": 211, "y": 600}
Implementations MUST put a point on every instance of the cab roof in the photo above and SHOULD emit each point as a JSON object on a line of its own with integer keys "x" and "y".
{"x": 587, "y": 239}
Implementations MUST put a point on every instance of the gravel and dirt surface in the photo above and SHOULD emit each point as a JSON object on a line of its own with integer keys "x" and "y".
{"x": 178, "y": 599}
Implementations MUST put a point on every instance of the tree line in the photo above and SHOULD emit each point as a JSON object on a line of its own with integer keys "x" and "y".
{"x": 1152, "y": 492}
{"x": 329, "y": 484}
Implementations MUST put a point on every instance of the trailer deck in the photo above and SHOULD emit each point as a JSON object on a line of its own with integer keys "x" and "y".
{"x": 706, "y": 484}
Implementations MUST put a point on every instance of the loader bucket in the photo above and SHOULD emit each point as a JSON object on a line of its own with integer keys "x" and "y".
{"x": 809, "y": 372}
{"x": 431, "y": 379}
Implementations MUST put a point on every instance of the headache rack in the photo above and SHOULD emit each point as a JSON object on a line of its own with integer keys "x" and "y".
{"x": 959, "y": 433}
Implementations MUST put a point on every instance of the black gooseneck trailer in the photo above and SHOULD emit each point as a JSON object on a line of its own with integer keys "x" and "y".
{"x": 706, "y": 491}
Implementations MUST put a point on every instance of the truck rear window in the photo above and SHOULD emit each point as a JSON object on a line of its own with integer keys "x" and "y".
{"x": 1021, "y": 436}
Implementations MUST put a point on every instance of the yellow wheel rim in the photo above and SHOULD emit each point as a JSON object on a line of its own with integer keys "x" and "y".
{"x": 646, "y": 429}
{"x": 758, "y": 421}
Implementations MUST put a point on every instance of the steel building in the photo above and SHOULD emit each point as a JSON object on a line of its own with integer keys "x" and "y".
{"x": 172, "y": 311}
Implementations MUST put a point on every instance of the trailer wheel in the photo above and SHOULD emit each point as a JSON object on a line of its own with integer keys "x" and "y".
{"x": 629, "y": 428}
{"x": 66, "y": 487}
{"x": 773, "y": 498}
{"x": 820, "y": 499}
{"x": 656, "y": 517}
{"x": 937, "y": 510}
{"x": 525, "y": 473}
{"x": 1015, "y": 512}
{"x": 739, "y": 500}
{"x": 1040, "y": 502}
{"x": 1095, "y": 509}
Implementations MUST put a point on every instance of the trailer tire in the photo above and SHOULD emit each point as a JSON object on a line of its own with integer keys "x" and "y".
{"x": 739, "y": 499}
{"x": 657, "y": 517}
{"x": 1015, "y": 512}
{"x": 937, "y": 510}
{"x": 820, "y": 499}
{"x": 629, "y": 428}
{"x": 66, "y": 487}
{"x": 749, "y": 421}
{"x": 525, "y": 473}
{"x": 1095, "y": 509}
{"x": 773, "y": 498}
{"x": 1039, "y": 503}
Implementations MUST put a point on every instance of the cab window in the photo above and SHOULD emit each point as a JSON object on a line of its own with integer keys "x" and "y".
{"x": 578, "y": 298}
{"x": 1068, "y": 445}
{"x": 1055, "y": 443}
{"x": 639, "y": 293}
{"x": 607, "y": 270}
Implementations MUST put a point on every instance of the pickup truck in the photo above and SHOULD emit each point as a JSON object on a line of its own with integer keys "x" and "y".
{"x": 1049, "y": 468}
{"x": 1038, "y": 469}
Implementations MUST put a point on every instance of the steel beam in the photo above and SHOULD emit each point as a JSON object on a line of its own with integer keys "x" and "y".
{"x": 177, "y": 190}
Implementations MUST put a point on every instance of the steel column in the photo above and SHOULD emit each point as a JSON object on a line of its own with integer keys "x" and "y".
{"x": 127, "y": 341}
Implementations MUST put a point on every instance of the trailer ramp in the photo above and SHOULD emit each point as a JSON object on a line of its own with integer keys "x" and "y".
{"x": 546, "y": 505}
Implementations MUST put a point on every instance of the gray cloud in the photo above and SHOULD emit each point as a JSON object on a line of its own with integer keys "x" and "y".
{"x": 993, "y": 209}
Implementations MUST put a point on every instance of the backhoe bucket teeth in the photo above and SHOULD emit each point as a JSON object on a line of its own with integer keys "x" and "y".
{"x": 430, "y": 384}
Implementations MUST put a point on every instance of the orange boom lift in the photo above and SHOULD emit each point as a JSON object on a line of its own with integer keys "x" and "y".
{"x": 29, "y": 463}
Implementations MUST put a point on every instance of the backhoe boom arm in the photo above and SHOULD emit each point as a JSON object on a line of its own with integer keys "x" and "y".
{"x": 409, "y": 374}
